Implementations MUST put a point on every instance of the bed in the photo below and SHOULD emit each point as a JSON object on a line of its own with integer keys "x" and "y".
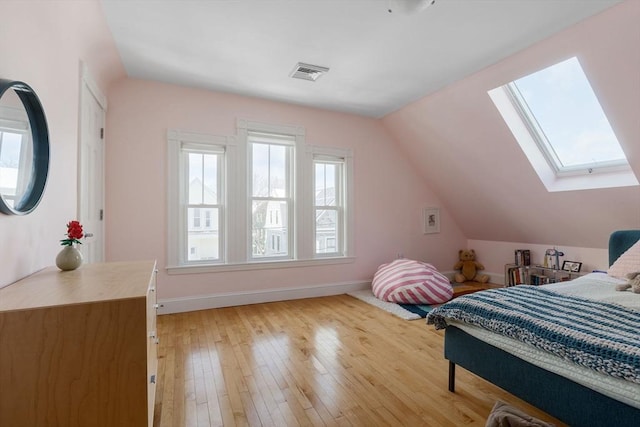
{"x": 577, "y": 395}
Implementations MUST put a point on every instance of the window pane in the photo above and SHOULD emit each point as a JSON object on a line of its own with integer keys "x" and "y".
{"x": 567, "y": 110}
{"x": 260, "y": 169}
{"x": 203, "y": 178}
{"x": 326, "y": 231}
{"x": 277, "y": 171}
{"x": 321, "y": 170}
{"x": 203, "y": 234}
{"x": 325, "y": 184}
{"x": 210, "y": 174}
{"x": 268, "y": 228}
{"x": 269, "y": 170}
{"x": 195, "y": 178}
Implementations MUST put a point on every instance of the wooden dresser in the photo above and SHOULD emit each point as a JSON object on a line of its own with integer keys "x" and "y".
{"x": 79, "y": 348}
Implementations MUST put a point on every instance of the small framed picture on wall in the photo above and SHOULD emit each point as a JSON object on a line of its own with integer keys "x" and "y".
{"x": 572, "y": 266}
{"x": 431, "y": 218}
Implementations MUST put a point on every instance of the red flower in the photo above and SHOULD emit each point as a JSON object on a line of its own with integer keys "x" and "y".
{"x": 74, "y": 230}
{"x": 74, "y": 233}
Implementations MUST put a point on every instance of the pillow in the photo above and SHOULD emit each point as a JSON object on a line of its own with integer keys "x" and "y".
{"x": 406, "y": 281}
{"x": 628, "y": 262}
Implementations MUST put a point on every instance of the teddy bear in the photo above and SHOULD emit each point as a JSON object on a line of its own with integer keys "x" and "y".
{"x": 633, "y": 282}
{"x": 469, "y": 267}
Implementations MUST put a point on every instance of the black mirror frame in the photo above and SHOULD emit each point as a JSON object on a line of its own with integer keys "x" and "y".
{"x": 40, "y": 138}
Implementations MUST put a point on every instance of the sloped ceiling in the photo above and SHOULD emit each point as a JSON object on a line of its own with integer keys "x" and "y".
{"x": 379, "y": 61}
{"x": 460, "y": 144}
{"x": 427, "y": 76}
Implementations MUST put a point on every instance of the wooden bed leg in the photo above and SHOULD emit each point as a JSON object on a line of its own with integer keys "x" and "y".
{"x": 452, "y": 377}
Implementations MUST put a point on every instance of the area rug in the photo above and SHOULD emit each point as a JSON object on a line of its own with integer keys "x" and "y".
{"x": 403, "y": 311}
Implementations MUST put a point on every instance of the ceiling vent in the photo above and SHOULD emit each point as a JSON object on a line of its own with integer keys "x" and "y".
{"x": 307, "y": 71}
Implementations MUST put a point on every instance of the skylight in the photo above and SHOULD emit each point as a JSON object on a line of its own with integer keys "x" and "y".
{"x": 562, "y": 109}
{"x": 555, "y": 116}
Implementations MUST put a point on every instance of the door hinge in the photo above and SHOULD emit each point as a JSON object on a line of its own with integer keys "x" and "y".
{"x": 101, "y": 133}
{"x": 101, "y": 214}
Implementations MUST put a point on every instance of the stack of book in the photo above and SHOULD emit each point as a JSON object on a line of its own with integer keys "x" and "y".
{"x": 522, "y": 257}
{"x": 539, "y": 279}
{"x": 517, "y": 276}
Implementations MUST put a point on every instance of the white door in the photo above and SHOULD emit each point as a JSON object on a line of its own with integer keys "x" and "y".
{"x": 91, "y": 155}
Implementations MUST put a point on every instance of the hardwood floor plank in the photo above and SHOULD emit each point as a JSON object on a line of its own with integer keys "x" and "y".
{"x": 331, "y": 361}
{"x": 228, "y": 417}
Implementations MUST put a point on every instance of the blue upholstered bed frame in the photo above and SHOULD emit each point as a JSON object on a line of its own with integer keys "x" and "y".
{"x": 566, "y": 400}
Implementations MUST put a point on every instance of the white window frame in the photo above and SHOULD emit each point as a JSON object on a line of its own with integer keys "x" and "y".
{"x": 338, "y": 207}
{"x": 289, "y": 142}
{"x": 528, "y": 135}
{"x": 179, "y": 143}
{"x": 539, "y": 137}
{"x": 237, "y": 222}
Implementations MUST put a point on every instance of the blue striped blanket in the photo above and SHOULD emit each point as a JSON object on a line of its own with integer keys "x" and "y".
{"x": 601, "y": 336}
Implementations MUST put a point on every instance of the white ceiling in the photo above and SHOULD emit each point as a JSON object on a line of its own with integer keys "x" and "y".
{"x": 379, "y": 61}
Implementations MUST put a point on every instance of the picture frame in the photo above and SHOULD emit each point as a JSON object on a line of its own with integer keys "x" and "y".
{"x": 431, "y": 220}
{"x": 572, "y": 266}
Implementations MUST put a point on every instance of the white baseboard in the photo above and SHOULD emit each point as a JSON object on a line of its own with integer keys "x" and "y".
{"x": 204, "y": 302}
{"x": 496, "y": 278}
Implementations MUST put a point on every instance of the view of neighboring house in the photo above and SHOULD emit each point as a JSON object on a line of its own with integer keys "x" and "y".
{"x": 270, "y": 236}
{"x": 203, "y": 230}
{"x": 326, "y": 222}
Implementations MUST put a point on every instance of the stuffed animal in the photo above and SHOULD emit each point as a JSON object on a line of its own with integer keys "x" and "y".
{"x": 633, "y": 282}
{"x": 469, "y": 267}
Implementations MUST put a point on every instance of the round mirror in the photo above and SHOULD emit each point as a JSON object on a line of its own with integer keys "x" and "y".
{"x": 24, "y": 148}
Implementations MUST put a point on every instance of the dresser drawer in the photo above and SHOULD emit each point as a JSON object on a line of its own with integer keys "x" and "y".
{"x": 152, "y": 345}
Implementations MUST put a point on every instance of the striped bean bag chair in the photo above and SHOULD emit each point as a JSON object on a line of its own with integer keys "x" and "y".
{"x": 405, "y": 281}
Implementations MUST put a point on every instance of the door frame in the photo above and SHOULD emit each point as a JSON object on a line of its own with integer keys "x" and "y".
{"x": 88, "y": 87}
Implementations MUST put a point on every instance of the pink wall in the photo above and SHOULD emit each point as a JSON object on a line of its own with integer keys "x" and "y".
{"x": 459, "y": 143}
{"x": 42, "y": 44}
{"x": 389, "y": 195}
{"x": 454, "y": 145}
{"x": 494, "y": 255}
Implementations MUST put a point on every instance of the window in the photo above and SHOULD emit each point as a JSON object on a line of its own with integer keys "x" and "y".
{"x": 271, "y": 194}
{"x": 204, "y": 165}
{"x": 555, "y": 116}
{"x": 196, "y": 198}
{"x": 328, "y": 205}
{"x": 267, "y": 201}
{"x": 204, "y": 196}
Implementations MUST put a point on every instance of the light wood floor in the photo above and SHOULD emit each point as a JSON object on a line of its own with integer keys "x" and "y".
{"x": 333, "y": 361}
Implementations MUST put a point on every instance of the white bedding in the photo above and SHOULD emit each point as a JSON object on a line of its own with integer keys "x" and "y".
{"x": 597, "y": 286}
